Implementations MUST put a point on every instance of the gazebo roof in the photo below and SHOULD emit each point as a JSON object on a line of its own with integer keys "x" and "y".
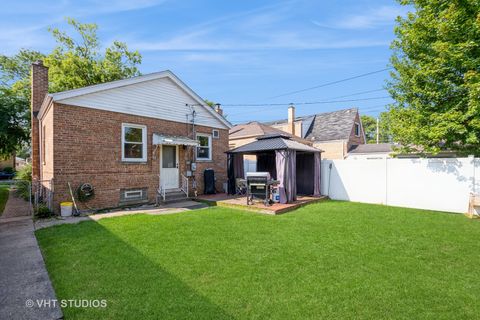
{"x": 273, "y": 142}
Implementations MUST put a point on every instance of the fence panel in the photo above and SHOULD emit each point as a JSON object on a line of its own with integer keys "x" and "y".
{"x": 355, "y": 180}
{"x": 435, "y": 184}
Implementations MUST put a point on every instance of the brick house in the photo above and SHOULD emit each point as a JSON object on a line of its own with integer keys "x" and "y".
{"x": 334, "y": 132}
{"x": 130, "y": 139}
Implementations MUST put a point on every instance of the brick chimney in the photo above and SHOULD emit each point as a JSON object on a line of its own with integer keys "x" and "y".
{"x": 39, "y": 87}
{"x": 218, "y": 109}
{"x": 291, "y": 119}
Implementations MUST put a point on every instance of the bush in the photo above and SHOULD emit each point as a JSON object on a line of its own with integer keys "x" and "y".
{"x": 8, "y": 170}
{"x": 43, "y": 212}
{"x": 23, "y": 190}
{"x": 25, "y": 173}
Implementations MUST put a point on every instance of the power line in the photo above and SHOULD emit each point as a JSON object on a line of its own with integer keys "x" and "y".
{"x": 302, "y": 103}
{"x": 369, "y": 109}
{"x": 357, "y": 94}
{"x": 330, "y": 83}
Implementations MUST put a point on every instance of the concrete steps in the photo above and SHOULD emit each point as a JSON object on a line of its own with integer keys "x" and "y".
{"x": 172, "y": 195}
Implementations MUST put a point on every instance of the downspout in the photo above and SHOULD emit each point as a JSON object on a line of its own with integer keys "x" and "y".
{"x": 194, "y": 155}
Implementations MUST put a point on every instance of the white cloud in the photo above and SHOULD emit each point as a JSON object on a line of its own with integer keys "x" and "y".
{"x": 381, "y": 16}
{"x": 260, "y": 29}
{"x": 72, "y": 7}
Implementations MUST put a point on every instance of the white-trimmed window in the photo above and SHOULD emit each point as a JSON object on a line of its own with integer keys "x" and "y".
{"x": 134, "y": 142}
{"x": 133, "y": 195}
{"x": 357, "y": 129}
{"x": 204, "y": 148}
{"x": 215, "y": 134}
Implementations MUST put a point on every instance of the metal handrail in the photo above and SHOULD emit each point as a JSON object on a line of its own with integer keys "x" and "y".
{"x": 161, "y": 188}
{"x": 184, "y": 186}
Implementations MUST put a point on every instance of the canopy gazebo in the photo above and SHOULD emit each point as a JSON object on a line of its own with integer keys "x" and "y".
{"x": 294, "y": 164}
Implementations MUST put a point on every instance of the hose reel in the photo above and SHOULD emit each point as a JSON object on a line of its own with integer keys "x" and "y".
{"x": 85, "y": 192}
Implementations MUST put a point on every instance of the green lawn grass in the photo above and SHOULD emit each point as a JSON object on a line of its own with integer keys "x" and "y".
{"x": 4, "y": 189}
{"x": 327, "y": 260}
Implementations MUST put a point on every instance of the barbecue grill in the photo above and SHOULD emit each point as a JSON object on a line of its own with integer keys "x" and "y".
{"x": 259, "y": 186}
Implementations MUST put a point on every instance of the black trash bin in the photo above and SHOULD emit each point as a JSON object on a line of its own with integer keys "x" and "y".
{"x": 209, "y": 181}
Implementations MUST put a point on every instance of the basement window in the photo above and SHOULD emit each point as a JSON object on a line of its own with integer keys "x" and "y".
{"x": 134, "y": 142}
{"x": 131, "y": 195}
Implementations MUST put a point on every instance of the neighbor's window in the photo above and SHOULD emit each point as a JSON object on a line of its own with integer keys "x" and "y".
{"x": 204, "y": 148}
{"x": 134, "y": 142}
{"x": 357, "y": 129}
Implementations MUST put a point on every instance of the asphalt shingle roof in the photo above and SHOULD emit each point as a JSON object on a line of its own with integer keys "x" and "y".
{"x": 256, "y": 129}
{"x": 336, "y": 125}
{"x": 273, "y": 142}
{"x": 372, "y": 148}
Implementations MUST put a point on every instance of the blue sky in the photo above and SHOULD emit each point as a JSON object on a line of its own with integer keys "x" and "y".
{"x": 235, "y": 52}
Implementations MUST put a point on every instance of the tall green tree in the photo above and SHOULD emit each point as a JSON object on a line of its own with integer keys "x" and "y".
{"x": 13, "y": 121}
{"x": 78, "y": 60}
{"x": 369, "y": 124}
{"x": 436, "y": 81}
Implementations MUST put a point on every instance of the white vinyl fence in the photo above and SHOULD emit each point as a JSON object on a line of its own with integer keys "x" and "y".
{"x": 436, "y": 184}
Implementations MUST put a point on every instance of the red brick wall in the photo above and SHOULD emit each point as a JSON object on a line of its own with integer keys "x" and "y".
{"x": 88, "y": 146}
{"x": 39, "y": 87}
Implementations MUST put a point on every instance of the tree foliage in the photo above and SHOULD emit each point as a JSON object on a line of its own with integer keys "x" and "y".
{"x": 13, "y": 121}
{"x": 77, "y": 61}
{"x": 369, "y": 124}
{"x": 436, "y": 82}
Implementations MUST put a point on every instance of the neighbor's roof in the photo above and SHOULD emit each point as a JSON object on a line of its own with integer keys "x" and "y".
{"x": 372, "y": 148}
{"x": 335, "y": 125}
{"x": 273, "y": 142}
{"x": 256, "y": 129}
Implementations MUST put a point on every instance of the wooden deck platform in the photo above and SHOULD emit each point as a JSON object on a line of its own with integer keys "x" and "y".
{"x": 240, "y": 202}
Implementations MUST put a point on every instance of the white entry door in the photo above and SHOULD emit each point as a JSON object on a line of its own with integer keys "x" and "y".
{"x": 169, "y": 174}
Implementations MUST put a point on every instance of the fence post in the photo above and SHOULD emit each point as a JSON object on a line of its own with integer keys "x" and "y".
{"x": 472, "y": 161}
{"x": 386, "y": 181}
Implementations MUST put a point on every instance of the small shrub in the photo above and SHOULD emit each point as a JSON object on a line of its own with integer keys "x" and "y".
{"x": 8, "y": 170}
{"x": 43, "y": 212}
{"x": 25, "y": 173}
{"x": 23, "y": 190}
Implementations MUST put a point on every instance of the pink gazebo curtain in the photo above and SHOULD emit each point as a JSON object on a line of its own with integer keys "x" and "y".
{"x": 286, "y": 175}
{"x": 238, "y": 165}
{"x": 317, "y": 174}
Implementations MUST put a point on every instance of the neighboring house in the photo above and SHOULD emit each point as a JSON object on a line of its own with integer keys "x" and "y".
{"x": 127, "y": 138}
{"x": 20, "y": 163}
{"x": 333, "y": 132}
{"x": 243, "y": 134}
{"x": 370, "y": 151}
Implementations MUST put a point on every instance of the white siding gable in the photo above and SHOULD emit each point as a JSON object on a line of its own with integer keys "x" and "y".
{"x": 159, "y": 98}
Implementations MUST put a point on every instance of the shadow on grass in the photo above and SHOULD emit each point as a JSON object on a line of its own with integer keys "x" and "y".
{"x": 90, "y": 262}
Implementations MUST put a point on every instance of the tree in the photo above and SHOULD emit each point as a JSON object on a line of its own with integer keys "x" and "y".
{"x": 13, "y": 121}
{"x": 369, "y": 124}
{"x": 436, "y": 81}
{"x": 75, "y": 62}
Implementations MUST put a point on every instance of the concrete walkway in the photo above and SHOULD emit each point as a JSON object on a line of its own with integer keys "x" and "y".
{"x": 24, "y": 280}
{"x": 15, "y": 207}
{"x": 166, "y": 209}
